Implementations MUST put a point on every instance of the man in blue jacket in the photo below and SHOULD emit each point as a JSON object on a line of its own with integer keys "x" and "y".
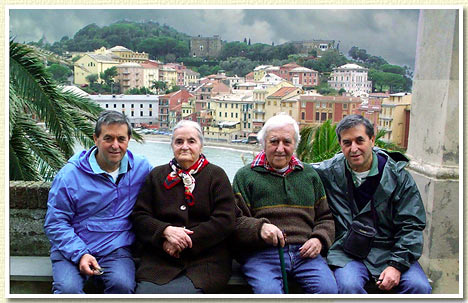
{"x": 89, "y": 203}
{"x": 371, "y": 186}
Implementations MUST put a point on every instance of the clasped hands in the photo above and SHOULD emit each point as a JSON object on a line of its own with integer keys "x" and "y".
{"x": 272, "y": 235}
{"x": 177, "y": 239}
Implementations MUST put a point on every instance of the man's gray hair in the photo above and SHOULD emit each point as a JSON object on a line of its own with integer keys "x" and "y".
{"x": 278, "y": 121}
{"x": 188, "y": 123}
{"x": 111, "y": 117}
{"x": 352, "y": 121}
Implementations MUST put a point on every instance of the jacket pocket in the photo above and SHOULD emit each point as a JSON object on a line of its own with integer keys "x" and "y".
{"x": 108, "y": 226}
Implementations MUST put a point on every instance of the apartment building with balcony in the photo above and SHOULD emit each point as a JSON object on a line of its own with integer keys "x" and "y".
{"x": 169, "y": 75}
{"x": 395, "y": 118}
{"x": 130, "y": 75}
{"x": 232, "y": 115}
{"x": 140, "y": 109}
{"x": 352, "y": 78}
{"x": 150, "y": 72}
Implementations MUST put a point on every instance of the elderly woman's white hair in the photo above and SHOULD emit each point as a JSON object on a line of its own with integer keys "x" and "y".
{"x": 278, "y": 121}
{"x": 188, "y": 123}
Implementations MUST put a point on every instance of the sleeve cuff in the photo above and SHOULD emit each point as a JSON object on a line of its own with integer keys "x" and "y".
{"x": 402, "y": 268}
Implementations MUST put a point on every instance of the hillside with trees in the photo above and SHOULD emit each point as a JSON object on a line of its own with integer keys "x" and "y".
{"x": 166, "y": 44}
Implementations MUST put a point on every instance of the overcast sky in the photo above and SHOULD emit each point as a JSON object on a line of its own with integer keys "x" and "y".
{"x": 389, "y": 33}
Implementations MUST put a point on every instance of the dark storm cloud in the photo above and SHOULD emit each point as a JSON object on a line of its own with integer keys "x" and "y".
{"x": 389, "y": 33}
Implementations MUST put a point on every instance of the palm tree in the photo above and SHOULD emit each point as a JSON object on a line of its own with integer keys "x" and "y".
{"x": 158, "y": 86}
{"x": 320, "y": 143}
{"x": 45, "y": 122}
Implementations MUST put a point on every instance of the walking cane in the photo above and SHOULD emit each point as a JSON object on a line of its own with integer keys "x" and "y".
{"x": 283, "y": 269}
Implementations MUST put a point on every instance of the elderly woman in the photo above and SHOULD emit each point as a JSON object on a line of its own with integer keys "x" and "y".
{"x": 283, "y": 202}
{"x": 183, "y": 215}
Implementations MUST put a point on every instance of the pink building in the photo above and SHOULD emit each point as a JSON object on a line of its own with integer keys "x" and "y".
{"x": 129, "y": 75}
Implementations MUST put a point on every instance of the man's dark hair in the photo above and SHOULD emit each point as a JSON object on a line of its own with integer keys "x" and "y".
{"x": 352, "y": 121}
{"x": 112, "y": 117}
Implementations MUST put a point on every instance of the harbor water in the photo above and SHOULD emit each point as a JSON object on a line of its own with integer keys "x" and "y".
{"x": 160, "y": 152}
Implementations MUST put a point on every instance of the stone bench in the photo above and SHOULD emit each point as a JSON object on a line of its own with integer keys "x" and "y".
{"x": 35, "y": 272}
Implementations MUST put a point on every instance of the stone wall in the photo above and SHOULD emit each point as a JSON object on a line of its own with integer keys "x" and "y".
{"x": 28, "y": 205}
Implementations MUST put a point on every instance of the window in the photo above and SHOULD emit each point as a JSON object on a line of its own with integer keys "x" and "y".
{"x": 317, "y": 116}
{"x": 225, "y": 105}
{"x": 237, "y": 115}
{"x": 232, "y": 115}
{"x": 115, "y": 105}
{"x": 151, "y": 105}
{"x": 225, "y": 115}
{"x": 141, "y": 105}
{"x": 132, "y": 106}
{"x": 150, "y": 114}
{"x": 107, "y": 105}
{"x": 330, "y": 116}
{"x": 141, "y": 113}
{"x": 237, "y": 106}
{"x": 133, "y": 113}
{"x": 324, "y": 116}
{"x": 303, "y": 115}
{"x": 123, "y": 105}
{"x": 232, "y": 105}
{"x": 345, "y": 106}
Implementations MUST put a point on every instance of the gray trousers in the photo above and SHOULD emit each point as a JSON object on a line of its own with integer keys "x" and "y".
{"x": 180, "y": 285}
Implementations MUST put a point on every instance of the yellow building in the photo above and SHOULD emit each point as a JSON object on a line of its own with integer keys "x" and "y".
{"x": 394, "y": 118}
{"x": 123, "y": 54}
{"x": 92, "y": 64}
{"x": 259, "y": 100}
{"x": 283, "y": 100}
{"x": 168, "y": 75}
{"x": 188, "y": 108}
{"x": 102, "y": 59}
{"x": 232, "y": 116}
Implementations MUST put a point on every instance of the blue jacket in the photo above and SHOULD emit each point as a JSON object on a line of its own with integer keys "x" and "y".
{"x": 87, "y": 212}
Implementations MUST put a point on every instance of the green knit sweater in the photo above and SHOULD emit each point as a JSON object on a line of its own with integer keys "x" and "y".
{"x": 295, "y": 203}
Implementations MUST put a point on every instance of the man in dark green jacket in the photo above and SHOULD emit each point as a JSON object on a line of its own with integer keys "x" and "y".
{"x": 370, "y": 185}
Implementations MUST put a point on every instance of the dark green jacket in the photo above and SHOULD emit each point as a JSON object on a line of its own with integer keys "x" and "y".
{"x": 400, "y": 213}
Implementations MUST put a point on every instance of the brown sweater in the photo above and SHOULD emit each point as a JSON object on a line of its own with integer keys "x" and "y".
{"x": 212, "y": 218}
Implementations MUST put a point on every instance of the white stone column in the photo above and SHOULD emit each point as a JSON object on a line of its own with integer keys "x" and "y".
{"x": 434, "y": 144}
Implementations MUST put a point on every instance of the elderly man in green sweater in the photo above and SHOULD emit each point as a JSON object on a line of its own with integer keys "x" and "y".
{"x": 281, "y": 201}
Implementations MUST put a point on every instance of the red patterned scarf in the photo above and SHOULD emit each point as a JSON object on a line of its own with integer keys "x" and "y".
{"x": 261, "y": 160}
{"x": 178, "y": 173}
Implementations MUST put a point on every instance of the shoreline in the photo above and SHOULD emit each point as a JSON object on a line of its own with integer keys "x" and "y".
{"x": 212, "y": 144}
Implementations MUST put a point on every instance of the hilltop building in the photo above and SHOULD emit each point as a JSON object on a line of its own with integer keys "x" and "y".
{"x": 205, "y": 47}
{"x": 306, "y": 46}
